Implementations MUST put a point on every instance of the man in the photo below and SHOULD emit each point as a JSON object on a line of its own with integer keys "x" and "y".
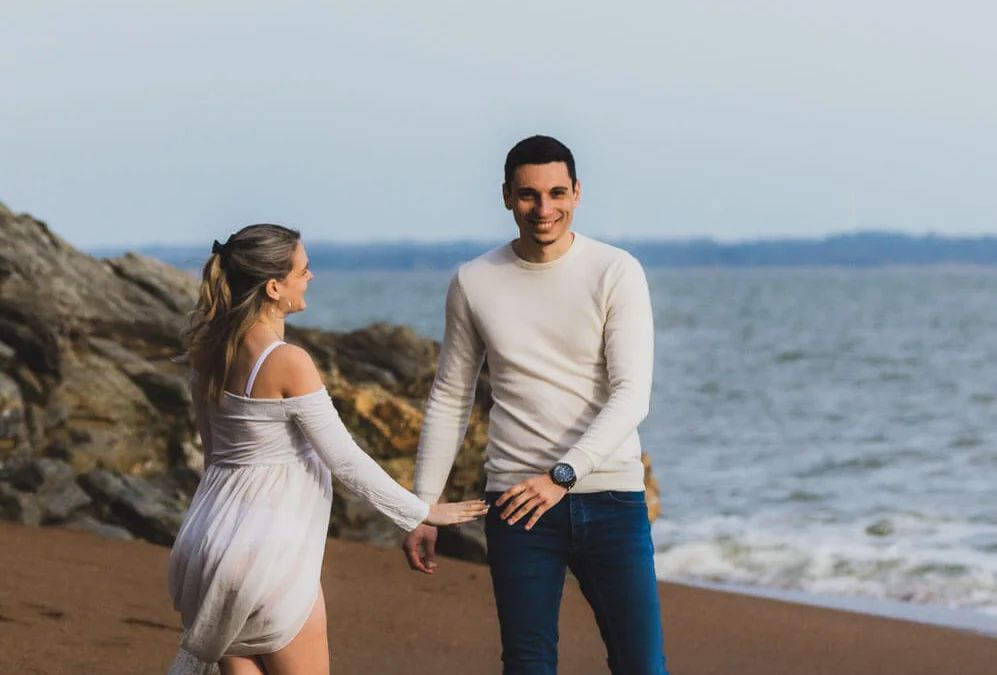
{"x": 566, "y": 326}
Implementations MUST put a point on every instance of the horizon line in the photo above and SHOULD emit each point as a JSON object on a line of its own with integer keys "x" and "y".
{"x": 706, "y": 239}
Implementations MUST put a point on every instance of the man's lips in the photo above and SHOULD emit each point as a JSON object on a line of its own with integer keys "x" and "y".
{"x": 543, "y": 227}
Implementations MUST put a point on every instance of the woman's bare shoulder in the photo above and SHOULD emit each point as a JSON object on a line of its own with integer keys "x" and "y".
{"x": 293, "y": 371}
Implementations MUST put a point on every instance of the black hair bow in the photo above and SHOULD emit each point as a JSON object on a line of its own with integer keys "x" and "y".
{"x": 221, "y": 250}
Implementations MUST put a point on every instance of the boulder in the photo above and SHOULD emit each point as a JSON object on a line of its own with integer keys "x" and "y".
{"x": 25, "y": 330}
{"x": 37, "y": 475}
{"x": 116, "y": 425}
{"x": 387, "y": 425}
{"x": 54, "y": 485}
{"x": 395, "y": 357}
{"x": 19, "y": 506}
{"x": 466, "y": 541}
{"x": 134, "y": 503}
{"x": 71, "y": 291}
{"x": 59, "y": 505}
{"x": 167, "y": 392}
{"x": 174, "y": 288}
{"x": 13, "y": 430}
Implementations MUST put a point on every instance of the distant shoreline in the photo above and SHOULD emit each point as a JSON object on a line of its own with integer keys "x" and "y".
{"x": 862, "y": 250}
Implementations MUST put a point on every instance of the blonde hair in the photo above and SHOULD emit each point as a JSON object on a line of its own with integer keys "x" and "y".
{"x": 232, "y": 297}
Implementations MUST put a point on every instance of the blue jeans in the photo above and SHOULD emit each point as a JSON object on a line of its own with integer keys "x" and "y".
{"x": 604, "y": 538}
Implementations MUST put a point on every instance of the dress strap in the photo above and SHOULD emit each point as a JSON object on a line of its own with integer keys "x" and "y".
{"x": 259, "y": 362}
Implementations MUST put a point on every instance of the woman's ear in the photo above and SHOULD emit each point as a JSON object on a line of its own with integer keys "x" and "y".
{"x": 273, "y": 291}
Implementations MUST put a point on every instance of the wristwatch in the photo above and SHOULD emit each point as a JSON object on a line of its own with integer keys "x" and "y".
{"x": 563, "y": 474}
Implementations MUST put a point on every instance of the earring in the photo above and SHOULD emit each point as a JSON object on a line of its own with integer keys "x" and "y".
{"x": 288, "y": 306}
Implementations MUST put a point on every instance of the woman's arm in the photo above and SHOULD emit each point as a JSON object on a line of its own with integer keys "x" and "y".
{"x": 316, "y": 416}
{"x": 201, "y": 417}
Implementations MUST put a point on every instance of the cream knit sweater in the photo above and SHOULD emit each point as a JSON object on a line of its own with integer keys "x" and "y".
{"x": 570, "y": 351}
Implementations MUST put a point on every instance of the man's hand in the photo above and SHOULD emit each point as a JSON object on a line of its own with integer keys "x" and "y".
{"x": 420, "y": 548}
{"x": 539, "y": 495}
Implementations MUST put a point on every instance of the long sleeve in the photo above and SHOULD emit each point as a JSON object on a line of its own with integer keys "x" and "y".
{"x": 629, "y": 350}
{"x": 451, "y": 398}
{"x": 317, "y": 418}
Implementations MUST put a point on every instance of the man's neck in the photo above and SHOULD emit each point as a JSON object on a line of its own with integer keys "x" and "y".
{"x": 531, "y": 251}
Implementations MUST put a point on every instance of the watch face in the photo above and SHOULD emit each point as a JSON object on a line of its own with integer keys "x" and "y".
{"x": 563, "y": 473}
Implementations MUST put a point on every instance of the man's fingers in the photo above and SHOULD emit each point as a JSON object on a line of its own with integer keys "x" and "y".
{"x": 542, "y": 509}
{"x": 429, "y": 543}
{"x": 414, "y": 560}
{"x": 516, "y": 503}
{"x": 510, "y": 493}
{"x": 420, "y": 549}
{"x": 524, "y": 510}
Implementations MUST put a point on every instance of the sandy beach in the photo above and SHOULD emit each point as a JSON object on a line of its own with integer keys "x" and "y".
{"x": 72, "y": 602}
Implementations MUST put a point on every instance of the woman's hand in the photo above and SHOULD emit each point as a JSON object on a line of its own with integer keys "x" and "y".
{"x": 455, "y": 513}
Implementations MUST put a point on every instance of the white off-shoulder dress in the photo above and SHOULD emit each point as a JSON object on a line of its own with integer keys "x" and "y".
{"x": 244, "y": 569}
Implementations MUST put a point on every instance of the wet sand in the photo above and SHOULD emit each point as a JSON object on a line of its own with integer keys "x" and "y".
{"x": 72, "y": 602}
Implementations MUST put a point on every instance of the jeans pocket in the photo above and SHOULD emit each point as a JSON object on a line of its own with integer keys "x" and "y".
{"x": 626, "y": 498}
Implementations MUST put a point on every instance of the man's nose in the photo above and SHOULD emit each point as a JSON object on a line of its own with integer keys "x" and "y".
{"x": 544, "y": 207}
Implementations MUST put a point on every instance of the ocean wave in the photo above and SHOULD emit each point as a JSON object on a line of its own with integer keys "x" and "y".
{"x": 910, "y": 557}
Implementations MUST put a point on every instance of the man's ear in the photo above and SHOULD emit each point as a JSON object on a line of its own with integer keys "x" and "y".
{"x": 507, "y": 196}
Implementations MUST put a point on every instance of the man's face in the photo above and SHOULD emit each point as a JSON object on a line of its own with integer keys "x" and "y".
{"x": 542, "y": 200}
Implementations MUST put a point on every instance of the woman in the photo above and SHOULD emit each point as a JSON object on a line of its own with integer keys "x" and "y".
{"x": 244, "y": 570}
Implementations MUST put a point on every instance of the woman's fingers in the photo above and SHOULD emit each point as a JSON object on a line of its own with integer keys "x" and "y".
{"x": 455, "y": 513}
{"x": 475, "y": 507}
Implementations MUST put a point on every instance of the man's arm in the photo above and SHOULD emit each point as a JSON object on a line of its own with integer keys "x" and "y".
{"x": 445, "y": 422}
{"x": 448, "y": 408}
{"x": 629, "y": 345}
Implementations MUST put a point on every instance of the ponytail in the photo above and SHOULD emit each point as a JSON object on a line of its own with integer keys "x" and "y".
{"x": 231, "y": 298}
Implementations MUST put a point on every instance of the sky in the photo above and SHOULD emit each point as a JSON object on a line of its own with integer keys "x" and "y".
{"x": 127, "y": 123}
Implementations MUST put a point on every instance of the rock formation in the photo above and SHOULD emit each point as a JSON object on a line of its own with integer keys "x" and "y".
{"x": 96, "y": 425}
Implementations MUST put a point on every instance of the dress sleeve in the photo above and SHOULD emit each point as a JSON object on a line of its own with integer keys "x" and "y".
{"x": 317, "y": 418}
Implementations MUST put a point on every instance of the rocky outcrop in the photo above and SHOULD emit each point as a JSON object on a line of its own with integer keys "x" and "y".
{"x": 96, "y": 426}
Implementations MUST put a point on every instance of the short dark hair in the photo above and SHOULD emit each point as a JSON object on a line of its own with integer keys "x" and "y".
{"x": 539, "y": 150}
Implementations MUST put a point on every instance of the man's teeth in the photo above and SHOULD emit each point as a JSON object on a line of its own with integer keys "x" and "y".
{"x": 545, "y": 227}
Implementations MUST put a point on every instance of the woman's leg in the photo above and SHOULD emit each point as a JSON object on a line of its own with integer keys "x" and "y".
{"x": 308, "y": 652}
{"x": 241, "y": 665}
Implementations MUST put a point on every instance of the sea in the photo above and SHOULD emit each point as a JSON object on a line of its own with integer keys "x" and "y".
{"x": 816, "y": 434}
